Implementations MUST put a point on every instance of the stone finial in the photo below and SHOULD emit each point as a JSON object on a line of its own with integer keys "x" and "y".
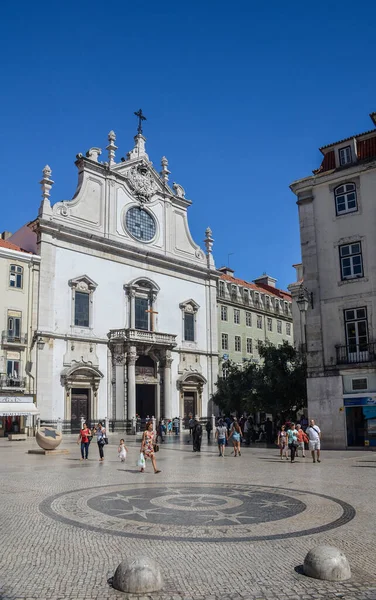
{"x": 46, "y": 183}
{"x": 111, "y": 148}
{"x": 208, "y": 240}
{"x": 165, "y": 172}
{"x": 93, "y": 153}
{"x": 139, "y": 150}
{"x": 179, "y": 190}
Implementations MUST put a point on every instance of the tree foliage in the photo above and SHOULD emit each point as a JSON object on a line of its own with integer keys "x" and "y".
{"x": 277, "y": 385}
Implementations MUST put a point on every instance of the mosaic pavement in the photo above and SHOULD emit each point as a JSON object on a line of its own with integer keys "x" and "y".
{"x": 219, "y": 527}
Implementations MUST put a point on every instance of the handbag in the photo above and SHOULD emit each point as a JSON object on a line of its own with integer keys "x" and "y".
{"x": 155, "y": 447}
{"x": 105, "y": 439}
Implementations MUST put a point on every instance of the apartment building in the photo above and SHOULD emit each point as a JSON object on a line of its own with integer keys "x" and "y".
{"x": 250, "y": 313}
{"x": 337, "y": 230}
{"x": 19, "y": 277}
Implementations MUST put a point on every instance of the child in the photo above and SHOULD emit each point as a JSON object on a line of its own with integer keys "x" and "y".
{"x": 122, "y": 450}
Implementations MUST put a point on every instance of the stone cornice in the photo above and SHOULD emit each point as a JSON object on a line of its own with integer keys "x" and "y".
{"x": 331, "y": 176}
{"x": 107, "y": 245}
{"x": 18, "y": 255}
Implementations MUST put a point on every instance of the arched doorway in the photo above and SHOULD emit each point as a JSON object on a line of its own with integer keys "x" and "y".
{"x": 191, "y": 386}
{"x": 81, "y": 382}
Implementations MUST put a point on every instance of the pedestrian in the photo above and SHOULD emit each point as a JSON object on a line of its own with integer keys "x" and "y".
{"x": 100, "y": 432}
{"x": 283, "y": 442}
{"x": 176, "y": 426}
{"x": 314, "y": 434}
{"x": 236, "y": 433}
{"x": 221, "y": 436}
{"x": 302, "y": 438}
{"x": 160, "y": 432}
{"x": 84, "y": 437}
{"x": 191, "y": 425}
{"x": 122, "y": 450}
{"x": 197, "y": 435}
{"x": 169, "y": 427}
{"x": 148, "y": 445}
{"x": 208, "y": 428}
{"x": 292, "y": 436}
{"x": 269, "y": 431}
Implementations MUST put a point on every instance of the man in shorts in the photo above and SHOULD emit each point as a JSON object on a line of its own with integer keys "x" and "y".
{"x": 314, "y": 435}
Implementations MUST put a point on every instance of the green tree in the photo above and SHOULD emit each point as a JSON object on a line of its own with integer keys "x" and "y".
{"x": 278, "y": 385}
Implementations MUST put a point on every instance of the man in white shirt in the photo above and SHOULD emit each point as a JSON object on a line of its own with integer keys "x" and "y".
{"x": 314, "y": 434}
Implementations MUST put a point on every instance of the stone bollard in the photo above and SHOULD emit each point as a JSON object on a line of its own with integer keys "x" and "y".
{"x": 328, "y": 563}
{"x": 82, "y": 422}
{"x": 153, "y": 421}
{"x": 133, "y": 426}
{"x": 138, "y": 576}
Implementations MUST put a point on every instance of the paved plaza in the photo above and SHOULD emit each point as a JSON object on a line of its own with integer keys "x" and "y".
{"x": 220, "y": 528}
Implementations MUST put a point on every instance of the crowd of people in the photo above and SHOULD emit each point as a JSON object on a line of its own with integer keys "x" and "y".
{"x": 291, "y": 438}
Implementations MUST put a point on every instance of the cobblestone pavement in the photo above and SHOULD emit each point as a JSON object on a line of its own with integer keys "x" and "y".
{"x": 220, "y": 528}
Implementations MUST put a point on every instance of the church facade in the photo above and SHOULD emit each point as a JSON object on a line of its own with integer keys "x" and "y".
{"x": 127, "y": 305}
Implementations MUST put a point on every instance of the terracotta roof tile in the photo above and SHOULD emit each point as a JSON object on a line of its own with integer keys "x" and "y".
{"x": 366, "y": 148}
{"x": 328, "y": 163}
{"x": 262, "y": 288}
{"x": 10, "y": 246}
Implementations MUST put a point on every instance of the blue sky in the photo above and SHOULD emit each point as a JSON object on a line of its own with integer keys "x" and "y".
{"x": 238, "y": 96}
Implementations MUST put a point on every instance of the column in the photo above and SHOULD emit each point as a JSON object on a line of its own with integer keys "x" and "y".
{"x": 167, "y": 385}
{"x": 132, "y": 357}
{"x": 132, "y": 320}
{"x": 119, "y": 388}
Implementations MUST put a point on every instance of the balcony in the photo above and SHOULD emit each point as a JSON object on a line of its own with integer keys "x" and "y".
{"x": 353, "y": 354}
{"x": 139, "y": 336}
{"x": 9, "y": 339}
{"x": 12, "y": 382}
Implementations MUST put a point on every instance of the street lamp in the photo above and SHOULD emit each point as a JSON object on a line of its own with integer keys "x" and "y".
{"x": 305, "y": 298}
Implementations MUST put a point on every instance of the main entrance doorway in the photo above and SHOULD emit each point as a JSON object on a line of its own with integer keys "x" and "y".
{"x": 145, "y": 400}
{"x": 80, "y": 407}
{"x": 190, "y": 404}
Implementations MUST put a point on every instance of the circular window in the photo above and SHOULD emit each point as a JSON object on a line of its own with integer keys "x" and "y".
{"x": 140, "y": 224}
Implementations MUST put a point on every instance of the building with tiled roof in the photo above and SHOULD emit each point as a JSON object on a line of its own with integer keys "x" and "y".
{"x": 19, "y": 274}
{"x": 250, "y": 313}
{"x": 338, "y": 322}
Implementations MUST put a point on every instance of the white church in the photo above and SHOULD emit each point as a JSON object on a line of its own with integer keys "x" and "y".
{"x": 127, "y": 304}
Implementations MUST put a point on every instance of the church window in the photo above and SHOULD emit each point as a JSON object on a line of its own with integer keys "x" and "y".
{"x": 189, "y": 310}
{"x": 259, "y": 322}
{"x": 189, "y": 327}
{"x": 238, "y": 343}
{"x": 279, "y": 326}
{"x": 236, "y": 316}
{"x": 249, "y": 346}
{"x": 288, "y": 328}
{"x": 82, "y": 301}
{"x": 248, "y": 319}
{"x": 16, "y": 277}
{"x": 223, "y": 313}
{"x": 270, "y": 324}
{"x": 141, "y": 314}
{"x": 222, "y": 289}
{"x": 140, "y": 224}
{"x": 81, "y": 309}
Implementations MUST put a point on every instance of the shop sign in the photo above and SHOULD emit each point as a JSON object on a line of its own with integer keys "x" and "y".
{"x": 13, "y": 399}
{"x": 361, "y": 401}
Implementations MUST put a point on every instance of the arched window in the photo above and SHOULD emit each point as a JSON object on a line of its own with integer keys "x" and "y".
{"x": 345, "y": 198}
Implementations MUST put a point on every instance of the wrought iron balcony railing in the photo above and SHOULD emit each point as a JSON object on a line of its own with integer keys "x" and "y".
{"x": 9, "y": 382}
{"x": 356, "y": 353}
{"x": 8, "y": 337}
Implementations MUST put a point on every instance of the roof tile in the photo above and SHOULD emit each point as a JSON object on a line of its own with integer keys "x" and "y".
{"x": 261, "y": 287}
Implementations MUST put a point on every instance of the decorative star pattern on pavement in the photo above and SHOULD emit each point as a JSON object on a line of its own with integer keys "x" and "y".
{"x": 231, "y": 517}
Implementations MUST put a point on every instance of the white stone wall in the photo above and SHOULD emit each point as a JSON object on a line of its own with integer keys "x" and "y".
{"x": 322, "y": 232}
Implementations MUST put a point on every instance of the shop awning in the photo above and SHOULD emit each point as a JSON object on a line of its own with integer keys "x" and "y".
{"x": 17, "y": 409}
